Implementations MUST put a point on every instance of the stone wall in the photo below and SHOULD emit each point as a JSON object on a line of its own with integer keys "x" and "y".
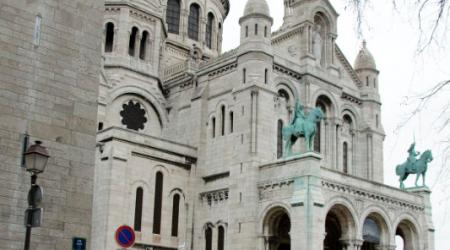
{"x": 49, "y": 89}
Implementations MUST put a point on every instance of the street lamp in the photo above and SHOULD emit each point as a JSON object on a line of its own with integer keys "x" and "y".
{"x": 36, "y": 158}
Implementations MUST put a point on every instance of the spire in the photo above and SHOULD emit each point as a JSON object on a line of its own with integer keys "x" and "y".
{"x": 257, "y": 7}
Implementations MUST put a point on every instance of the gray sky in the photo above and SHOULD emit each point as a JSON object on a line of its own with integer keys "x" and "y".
{"x": 392, "y": 37}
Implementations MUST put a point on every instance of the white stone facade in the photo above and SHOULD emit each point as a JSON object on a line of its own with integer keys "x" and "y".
{"x": 172, "y": 105}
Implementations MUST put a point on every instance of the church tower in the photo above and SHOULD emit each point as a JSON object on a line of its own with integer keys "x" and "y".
{"x": 367, "y": 71}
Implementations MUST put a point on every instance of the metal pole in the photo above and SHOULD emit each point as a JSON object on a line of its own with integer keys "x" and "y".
{"x": 28, "y": 234}
{"x": 29, "y": 218}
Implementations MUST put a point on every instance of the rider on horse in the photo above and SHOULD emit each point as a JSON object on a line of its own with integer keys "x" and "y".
{"x": 412, "y": 156}
{"x": 298, "y": 114}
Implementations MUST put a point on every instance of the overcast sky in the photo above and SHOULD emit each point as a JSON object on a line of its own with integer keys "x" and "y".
{"x": 392, "y": 37}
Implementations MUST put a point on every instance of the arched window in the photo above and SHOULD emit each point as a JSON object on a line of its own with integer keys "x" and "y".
{"x": 194, "y": 21}
{"x": 144, "y": 40}
{"x": 208, "y": 238}
{"x": 231, "y": 122}
{"x": 175, "y": 214}
{"x": 256, "y": 29}
{"x": 265, "y": 31}
{"x": 221, "y": 238}
{"x": 132, "y": 44}
{"x": 173, "y": 16}
{"x": 138, "y": 209}
{"x": 244, "y": 76}
{"x": 318, "y": 137}
{"x": 158, "y": 203}
{"x": 345, "y": 156}
{"x": 213, "y": 124}
{"x": 222, "y": 116}
{"x": 367, "y": 81}
{"x": 377, "y": 121}
{"x": 109, "y": 39}
{"x": 280, "y": 139}
{"x": 246, "y": 31}
{"x": 209, "y": 30}
{"x": 266, "y": 75}
{"x": 219, "y": 33}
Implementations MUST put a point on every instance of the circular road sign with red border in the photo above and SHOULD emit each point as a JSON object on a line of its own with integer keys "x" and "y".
{"x": 125, "y": 236}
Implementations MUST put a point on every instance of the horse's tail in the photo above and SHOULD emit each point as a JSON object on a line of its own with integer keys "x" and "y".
{"x": 400, "y": 170}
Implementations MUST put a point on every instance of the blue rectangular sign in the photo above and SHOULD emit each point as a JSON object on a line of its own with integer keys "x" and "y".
{"x": 78, "y": 244}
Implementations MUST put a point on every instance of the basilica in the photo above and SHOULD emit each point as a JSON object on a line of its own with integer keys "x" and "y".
{"x": 190, "y": 150}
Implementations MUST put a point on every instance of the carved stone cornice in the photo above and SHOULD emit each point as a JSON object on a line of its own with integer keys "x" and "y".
{"x": 368, "y": 195}
{"x": 351, "y": 98}
{"x": 287, "y": 71}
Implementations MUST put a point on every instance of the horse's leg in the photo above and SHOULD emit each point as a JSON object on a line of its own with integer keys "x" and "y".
{"x": 417, "y": 178}
{"x": 423, "y": 178}
{"x": 287, "y": 147}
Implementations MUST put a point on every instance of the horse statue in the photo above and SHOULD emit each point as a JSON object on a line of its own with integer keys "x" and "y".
{"x": 301, "y": 126}
{"x": 414, "y": 166}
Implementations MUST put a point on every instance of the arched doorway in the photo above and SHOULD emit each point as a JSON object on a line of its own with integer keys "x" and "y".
{"x": 277, "y": 227}
{"x": 406, "y": 235}
{"x": 339, "y": 224}
{"x": 333, "y": 233}
{"x": 375, "y": 232}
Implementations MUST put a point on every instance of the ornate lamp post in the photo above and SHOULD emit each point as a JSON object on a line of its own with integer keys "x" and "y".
{"x": 36, "y": 158}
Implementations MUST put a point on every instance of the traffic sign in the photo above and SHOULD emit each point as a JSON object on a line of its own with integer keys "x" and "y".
{"x": 125, "y": 236}
{"x": 33, "y": 217}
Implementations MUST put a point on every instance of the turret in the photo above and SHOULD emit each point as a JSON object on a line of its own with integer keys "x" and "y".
{"x": 367, "y": 71}
{"x": 256, "y": 26}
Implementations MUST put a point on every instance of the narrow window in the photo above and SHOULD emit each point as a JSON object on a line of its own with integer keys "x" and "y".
{"x": 221, "y": 238}
{"x": 231, "y": 122}
{"x": 132, "y": 44}
{"x": 265, "y": 31}
{"x": 208, "y": 238}
{"x": 266, "y": 74}
{"x": 222, "y": 116}
{"x": 219, "y": 33}
{"x": 109, "y": 39}
{"x": 194, "y": 21}
{"x": 377, "y": 121}
{"x": 375, "y": 82}
{"x": 175, "y": 214}
{"x": 345, "y": 156}
{"x": 158, "y": 203}
{"x": 367, "y": 81}
{"x": 138, "y": 209}
{"x": 100, "y": 126}
{"x": 244, "y": 75}
{"x": 213, "y": 124}
{"x": 209, "y": 30}
{"x": 144, "y": 40}
{"x": 256, "y": 29}
{"x": 173, "y": 16}
{"x": 317, "y": 138}
{"x": 280, "y": 139}
{"x": 246, "y": 31}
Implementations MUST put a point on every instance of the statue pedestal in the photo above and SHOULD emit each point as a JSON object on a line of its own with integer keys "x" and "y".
{"x": 307, "y": 203}
{"x": 425, "y": 192}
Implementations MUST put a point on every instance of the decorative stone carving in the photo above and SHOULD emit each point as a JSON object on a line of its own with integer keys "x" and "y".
{"x": 214, "y": 197}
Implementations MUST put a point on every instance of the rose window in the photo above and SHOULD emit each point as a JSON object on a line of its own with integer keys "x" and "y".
{"x": 133, "y": 115}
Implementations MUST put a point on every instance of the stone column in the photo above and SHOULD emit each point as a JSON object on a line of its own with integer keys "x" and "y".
{"x": 307, "y": 225}
{"x": 428, "y": 233}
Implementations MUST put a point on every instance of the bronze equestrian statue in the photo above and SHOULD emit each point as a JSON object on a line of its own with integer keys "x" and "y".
{"x": 414, "y": 166}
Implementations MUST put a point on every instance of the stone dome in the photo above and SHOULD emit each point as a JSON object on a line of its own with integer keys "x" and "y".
{"x": 365, "y": 60}
{"x": 257, "y": 7}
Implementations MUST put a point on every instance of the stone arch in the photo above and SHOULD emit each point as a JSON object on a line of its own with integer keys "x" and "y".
{"x": 329, "y": 95}
{"x": 349, "y": 110}
{"x": 381, "y": 218}
{"x": 340, "y": 223}
{"x": 177, "y": 191}
{"x": 284, "y": 82}
{"x": 326, "y": 15}
{"x": 146, "y": 95}
{"x": 276, "y": 226}
{"x": 407, "y": 227}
